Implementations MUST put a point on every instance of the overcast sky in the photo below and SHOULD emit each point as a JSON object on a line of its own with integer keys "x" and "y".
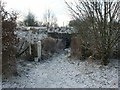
{"x": 38, "y": 8}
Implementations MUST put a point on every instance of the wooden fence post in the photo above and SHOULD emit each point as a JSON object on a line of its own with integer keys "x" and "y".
{"x": 39, "y": 49}
{"x": 29, "y": 36}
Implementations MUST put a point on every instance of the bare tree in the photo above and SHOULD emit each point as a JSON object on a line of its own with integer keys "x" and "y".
{"x": 50, "y": 19}
{"x": 98, "y": 24}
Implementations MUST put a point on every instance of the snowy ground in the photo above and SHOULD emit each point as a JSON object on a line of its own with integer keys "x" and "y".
{"x": 61, "y": 72}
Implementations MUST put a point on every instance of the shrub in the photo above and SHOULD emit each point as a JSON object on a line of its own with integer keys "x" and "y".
{"x": 51, "y": 46}
{"x": 8, "y": 42}
{"x": 78, "y": 49}
{"x": 98, "y": 26}
{"x": 48, "y": 46}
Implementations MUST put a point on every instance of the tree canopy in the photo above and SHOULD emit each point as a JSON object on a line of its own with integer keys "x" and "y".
{"x": 30, "y": 20}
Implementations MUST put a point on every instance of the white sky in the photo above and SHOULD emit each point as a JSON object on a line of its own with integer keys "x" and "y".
{"x": 38, "y": 8}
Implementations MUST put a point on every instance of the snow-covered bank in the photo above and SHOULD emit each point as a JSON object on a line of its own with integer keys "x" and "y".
{"x": 61, "y": 72}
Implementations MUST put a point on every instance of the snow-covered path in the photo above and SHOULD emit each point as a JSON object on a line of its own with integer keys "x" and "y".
{"x": 61, "y": 72}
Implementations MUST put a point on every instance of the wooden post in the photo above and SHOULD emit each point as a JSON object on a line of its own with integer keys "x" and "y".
{"x": 29, "y": 42}
{"x": 39, "y": 49}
